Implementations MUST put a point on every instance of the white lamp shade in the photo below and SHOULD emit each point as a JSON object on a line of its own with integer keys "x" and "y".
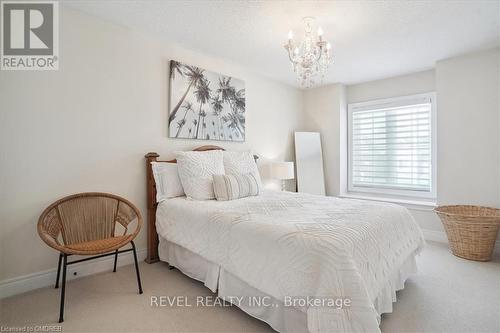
{"x": 282, "y": 170}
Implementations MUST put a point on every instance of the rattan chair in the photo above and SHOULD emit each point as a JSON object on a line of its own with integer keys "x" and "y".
{"x": 89, "y": 224}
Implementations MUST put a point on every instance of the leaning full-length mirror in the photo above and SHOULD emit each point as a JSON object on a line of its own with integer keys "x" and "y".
{"x": 310, "y": 176}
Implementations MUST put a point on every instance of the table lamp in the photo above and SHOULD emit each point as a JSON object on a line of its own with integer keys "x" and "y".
{"x": 282, "y": 171}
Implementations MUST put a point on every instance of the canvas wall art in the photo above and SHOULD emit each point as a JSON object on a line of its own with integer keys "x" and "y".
{"x": 205, "y": 105}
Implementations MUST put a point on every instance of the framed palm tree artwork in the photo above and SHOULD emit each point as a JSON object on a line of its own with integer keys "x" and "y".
{"x": 205, "y": 105}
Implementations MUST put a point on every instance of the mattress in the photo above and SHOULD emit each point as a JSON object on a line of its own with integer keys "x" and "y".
{"x": 292, "y": 246}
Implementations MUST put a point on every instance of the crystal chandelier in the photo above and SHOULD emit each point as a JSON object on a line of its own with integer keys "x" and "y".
{"x": 311, "y": 56}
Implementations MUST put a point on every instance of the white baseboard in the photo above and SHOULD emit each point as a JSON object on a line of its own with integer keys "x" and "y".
{"x": 440, "y": 237}
{"x": 435, "y": 236}
{"x": 46, "y": 278}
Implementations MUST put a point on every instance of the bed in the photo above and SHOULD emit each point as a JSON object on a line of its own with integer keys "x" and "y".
{"x": 299, "y": 262}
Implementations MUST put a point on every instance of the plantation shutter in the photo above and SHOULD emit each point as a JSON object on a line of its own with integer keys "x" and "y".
{"x": 391, "y": 144}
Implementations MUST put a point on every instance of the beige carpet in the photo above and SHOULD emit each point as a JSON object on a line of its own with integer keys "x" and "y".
{"x": 447, "y": 295}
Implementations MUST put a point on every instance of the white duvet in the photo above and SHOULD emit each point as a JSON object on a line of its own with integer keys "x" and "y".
{"x": 298, "y": 245}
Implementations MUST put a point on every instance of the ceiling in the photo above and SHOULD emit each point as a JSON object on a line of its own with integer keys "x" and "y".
{"x": 370, "y": 39}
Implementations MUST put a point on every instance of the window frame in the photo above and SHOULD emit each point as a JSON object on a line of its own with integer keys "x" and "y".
{"x": 389, "y": 193}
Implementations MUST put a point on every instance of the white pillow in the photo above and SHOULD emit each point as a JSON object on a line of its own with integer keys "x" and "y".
{"x": 196, "y": 169}
{"x": 231, "y": 187}
{"x": 240, "y": 163}
{"x": 168, "y": 183}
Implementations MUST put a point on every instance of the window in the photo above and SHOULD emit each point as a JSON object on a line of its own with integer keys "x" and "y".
{"x": 391, "y": 147}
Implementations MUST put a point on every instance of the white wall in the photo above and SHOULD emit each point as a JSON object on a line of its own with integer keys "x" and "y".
{"x": 410, "y": 84}
{"x": 468, "y": 129}
{"x": 323, "y": 108}
{"x": 468, "y": 111}
{"x": 88, "y": 126}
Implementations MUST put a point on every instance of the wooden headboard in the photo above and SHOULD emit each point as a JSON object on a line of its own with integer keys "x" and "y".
{"x": 152, "y": 238}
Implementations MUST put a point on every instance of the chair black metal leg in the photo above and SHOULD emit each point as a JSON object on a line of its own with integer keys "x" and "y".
{"x": 116, "y": 259}
{"x": 63, "y": 289}
{"x": 137, "y": 268}
{"x": 58, "y": 270}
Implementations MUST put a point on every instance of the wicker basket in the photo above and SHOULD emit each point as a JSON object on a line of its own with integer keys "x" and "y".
{"x": 471, "y": 230}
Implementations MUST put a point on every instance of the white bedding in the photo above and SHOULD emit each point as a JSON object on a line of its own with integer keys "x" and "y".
{"x": 289, "y": 244}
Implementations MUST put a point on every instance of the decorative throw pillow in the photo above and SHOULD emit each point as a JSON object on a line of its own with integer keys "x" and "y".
{"x": 196, "y": 169}
{"x": 230, "y": 187}
{"x": 241, "y": 162}
{"x": 168, "y": 183}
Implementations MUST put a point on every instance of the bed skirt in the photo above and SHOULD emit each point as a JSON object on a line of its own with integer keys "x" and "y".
{"x": 281, "y": 318}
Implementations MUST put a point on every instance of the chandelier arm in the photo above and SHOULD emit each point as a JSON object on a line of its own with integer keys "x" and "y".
{"x": 320, "y": 52}
{"x": 294, "y": 61}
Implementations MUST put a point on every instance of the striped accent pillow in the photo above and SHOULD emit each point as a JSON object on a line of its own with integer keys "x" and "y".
{"x": 230, "y": 187}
